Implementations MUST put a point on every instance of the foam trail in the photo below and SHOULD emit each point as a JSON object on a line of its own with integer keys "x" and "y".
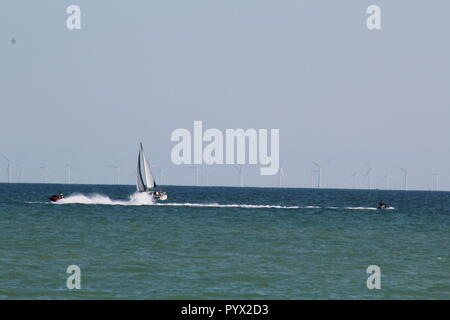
{"x": 367, "y": 208}
{"x": 139, "y": 199}
{"x": 136, "y": 199}
{"x": 142, "y": 199}
{"x": 217, "y": 205}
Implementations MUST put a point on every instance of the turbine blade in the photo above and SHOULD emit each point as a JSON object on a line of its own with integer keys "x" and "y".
{"x": 315, "y": 163}
{"x": 6, "y": 158}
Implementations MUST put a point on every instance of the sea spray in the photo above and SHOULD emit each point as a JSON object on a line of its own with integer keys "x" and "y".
{"x": 136, "y": 199}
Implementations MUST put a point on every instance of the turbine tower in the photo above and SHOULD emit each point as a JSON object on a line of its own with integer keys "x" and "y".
{"x": 388, "y": 177}
{"x": 20, "y": 179}
{"x": 319, "y": 171}
{"x": 369, "y": 174}
{"x": 280, "y": 177}
{"x": 436, "y": 181}
{"x": 20, "y": 174}
{"x": 45, "y": 173}
{"x": 405, "y": 178}
{"x": 240, "y": 169}
{"x": 8, "y": 167}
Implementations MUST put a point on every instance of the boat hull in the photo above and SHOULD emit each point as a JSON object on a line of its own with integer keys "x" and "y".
{"x": 161, "y": 196}
{"x": 55, "y": 198}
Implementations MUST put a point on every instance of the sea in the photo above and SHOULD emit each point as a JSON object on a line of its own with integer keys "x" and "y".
{"x": 223, "y": 243}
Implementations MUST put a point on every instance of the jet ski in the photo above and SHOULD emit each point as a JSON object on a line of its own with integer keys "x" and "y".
{"x": 56, "y": 197}
{"x": 382, "y": 205}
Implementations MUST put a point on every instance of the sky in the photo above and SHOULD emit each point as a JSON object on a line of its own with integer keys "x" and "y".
{"x": 138, "y": 70}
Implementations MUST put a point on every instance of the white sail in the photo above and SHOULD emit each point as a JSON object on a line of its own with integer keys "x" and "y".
{"x": 145, "y": 179}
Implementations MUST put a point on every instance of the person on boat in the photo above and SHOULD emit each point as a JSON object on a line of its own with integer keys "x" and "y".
{"x": 382, "y": 205}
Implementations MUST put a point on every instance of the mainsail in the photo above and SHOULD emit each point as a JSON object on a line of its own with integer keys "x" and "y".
{"x": 145, "y": 179}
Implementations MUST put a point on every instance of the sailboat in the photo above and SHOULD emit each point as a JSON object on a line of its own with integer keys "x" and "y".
{"x": 145, "y": 180}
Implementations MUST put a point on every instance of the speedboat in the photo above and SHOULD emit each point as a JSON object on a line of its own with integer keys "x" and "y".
{"x": 56, "y": 197}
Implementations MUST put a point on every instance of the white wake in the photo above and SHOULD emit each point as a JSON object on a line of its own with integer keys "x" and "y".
{"x": 145, "y": 199}
{"x": 142, "y": 199}
{"x": 217, "y": 205}
{"x": 136, "y": 199}
{"x": 367, "y": 208}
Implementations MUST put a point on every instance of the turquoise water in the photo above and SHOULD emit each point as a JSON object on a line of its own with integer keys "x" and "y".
{"x": 223, "y": 243}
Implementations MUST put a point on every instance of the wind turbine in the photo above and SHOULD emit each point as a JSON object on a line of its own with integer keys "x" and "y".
{"x": 8, "y": 168}
{"x": 436, "y": 181}
{"x": 405, "y": 178}
{"x": 20, "y": 170}
{"x": 45, "y": 173}
{"x": 240, "y": 169}
{"x": 280, "y": 176}
{"x": 319, "y": 170}
{"x": 195, "y": 174}
{"x": 387, "y": 178}
{"x": 369, "y": 174}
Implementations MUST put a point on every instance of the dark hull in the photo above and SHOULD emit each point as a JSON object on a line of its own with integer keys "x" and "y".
{"x": 55, "y": 198}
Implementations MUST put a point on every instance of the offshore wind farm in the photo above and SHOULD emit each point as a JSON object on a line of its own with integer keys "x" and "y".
{"x": 14, "y": 173}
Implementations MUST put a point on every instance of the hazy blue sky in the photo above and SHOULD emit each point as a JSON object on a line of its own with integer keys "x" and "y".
{"x": 137, "y": 70}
